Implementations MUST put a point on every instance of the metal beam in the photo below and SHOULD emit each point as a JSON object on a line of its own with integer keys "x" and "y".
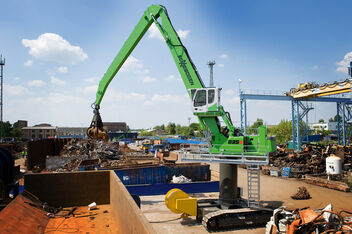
{"x": 344, "y": 117}
{"x": 162, "y": 189}
{"x": 289, "y": 98}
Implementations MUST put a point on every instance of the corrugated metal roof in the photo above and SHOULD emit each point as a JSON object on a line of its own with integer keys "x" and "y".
{"x": 34, "y": 128}
{"x": 181, "y": 141}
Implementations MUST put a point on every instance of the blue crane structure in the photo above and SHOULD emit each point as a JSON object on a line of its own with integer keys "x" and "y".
{"x": 300, "y": 111}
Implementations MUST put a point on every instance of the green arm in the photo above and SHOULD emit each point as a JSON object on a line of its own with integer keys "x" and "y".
{"x": 183, "y": 62}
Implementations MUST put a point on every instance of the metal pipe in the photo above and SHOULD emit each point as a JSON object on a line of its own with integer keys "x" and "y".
{"x": 2, "y": 63}
{"x": 297, "y": 128}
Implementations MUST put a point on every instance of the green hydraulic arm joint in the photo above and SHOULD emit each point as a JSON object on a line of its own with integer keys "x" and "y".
{"x": 227, "y": 120}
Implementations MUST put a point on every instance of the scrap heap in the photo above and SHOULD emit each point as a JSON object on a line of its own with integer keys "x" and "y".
{"x": 90, "y": 149}
{"x": 311, "y": 160}
{"x": 307, "y": 220}
{"x": 302, "y": 194}
{"x": 88, "y": 154}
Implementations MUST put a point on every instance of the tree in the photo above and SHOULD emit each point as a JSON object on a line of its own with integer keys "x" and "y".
{"x": 6, "y": 129}
{"x": 253, "y": 129}
{"x": 128, "y": 128}
{"x": 334, "y": 119}
{"x": 195, "y": 126}
{"x": 321, "y": 121}
{"x": 185, "y": 131}
{"x": 146, "y": 133}
{"x": 160, "y": 127}
{"x": 178, "y": 129}
{"x": 171, "y": 128}
{"x": 283, "y": 131}
{"x": 16, "y": 132}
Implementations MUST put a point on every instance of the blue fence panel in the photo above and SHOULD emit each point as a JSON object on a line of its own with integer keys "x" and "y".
{"x": 145, "y": 175}
{"x": 162, "y": 189}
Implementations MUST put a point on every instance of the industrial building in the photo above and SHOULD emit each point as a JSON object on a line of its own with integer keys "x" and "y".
{"x": 116, "y": 126}
{"x": 329, "y": 126}
{"x": 40, "y": 131}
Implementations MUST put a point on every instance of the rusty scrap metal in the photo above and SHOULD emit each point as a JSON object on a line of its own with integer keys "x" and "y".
{"x": 88, "y": 154}
{"x": 302, "y": 194}
{"x": 307, "y": 220}
{"x": 311, "y": 160}
{"x": 337, "y": 185}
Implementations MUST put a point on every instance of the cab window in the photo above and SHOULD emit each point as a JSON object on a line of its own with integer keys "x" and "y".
{"x": 201, "y": 98}
{"x": 211, "y": 96}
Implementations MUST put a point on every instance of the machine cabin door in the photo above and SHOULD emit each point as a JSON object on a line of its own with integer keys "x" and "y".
{"x": 205, "y": 100}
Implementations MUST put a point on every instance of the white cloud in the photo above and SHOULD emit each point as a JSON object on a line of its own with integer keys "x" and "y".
{"x": 90, "y": 89}
{"x": 169, "y": 98}
{"x": 57, "y": 81}
{"x": 154, "y": 32}
{"x": 315, "y": 67}
{"x": 15, "y": 90}
{"x": 53, "y": 48}
{"x": 16, "y": 78}
{"x": 229, "y": 92}
{"x": 134, "y": 65}
{"x": 170, "y": 78}
{"x": 50, "y": 72}
{"x": 221, "y": 65}
{"x": 148, "y": 103}
{"x": 91, "y": 80}
{"x": 183, "y": 33}
{"x": 231, "y": 101}
{"x": 36, "y": 83}
{"x": 62, "y": 69}
{"x": 149, "y": 79}
{"x": 344, "y": 63}
{"x": 112, "y": 95}
{"x": 64, "y": 98}
{"x": 224, "y": 56}
{"x": 28, "y": 63}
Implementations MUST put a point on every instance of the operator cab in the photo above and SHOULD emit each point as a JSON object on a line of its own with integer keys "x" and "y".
{"x": 205, "y": 99}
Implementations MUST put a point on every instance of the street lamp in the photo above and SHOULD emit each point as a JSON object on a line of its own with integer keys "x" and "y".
{"x": 239, "y": 86}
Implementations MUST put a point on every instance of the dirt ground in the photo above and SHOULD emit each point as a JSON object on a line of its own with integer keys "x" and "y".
{"x": 275, "y": 191}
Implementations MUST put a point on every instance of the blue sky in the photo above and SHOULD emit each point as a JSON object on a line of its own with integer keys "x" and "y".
{"x": 57, "y": 51}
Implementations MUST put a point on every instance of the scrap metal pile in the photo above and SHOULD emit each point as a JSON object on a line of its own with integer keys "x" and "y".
{"x": 90, "y": 149}
{"x": 88, "y": 154}
{"x": 302, "y": 194}
{"x": 311, "y": 160}
{"x": 307, "y": 220}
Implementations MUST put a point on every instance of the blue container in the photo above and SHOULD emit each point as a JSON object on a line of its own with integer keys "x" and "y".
{"x": 88, "y": 168}
{"x": 144, "y": 175}
{"x": 286, "y": 172}
{"x": 195, "y": 172}
{"x": 88, "y": 165}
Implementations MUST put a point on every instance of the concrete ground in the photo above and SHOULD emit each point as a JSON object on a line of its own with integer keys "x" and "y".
{"x": 21, "y": 162}
{"x": 275, "y": 192}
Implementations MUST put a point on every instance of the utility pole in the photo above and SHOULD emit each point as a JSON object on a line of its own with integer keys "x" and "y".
{"x": 2, "y": 64}
{"x": 211, "y": 64}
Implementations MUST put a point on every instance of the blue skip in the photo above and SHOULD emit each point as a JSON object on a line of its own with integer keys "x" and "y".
{"x": 162, "y": 189}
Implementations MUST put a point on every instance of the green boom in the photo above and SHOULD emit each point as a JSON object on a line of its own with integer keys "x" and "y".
{"x": 184, "y": 64}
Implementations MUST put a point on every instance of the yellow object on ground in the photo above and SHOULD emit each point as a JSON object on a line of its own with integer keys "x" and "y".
{"x": 179, "y": 202}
